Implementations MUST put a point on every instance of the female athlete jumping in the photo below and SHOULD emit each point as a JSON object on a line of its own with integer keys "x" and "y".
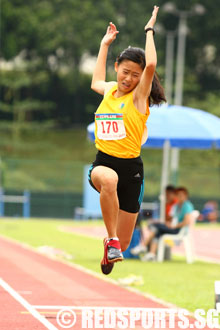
{"x": 120, "y": 128}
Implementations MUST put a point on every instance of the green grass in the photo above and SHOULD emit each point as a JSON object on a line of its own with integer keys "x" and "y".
{"x": 187, "y": 286}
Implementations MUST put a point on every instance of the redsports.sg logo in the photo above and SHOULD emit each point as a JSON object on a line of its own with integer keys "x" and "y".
{"x": 130, "y": 318}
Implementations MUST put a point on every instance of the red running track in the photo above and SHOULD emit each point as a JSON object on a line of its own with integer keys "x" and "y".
{"x": 35, "y": 280}
{"x": 206, "y": 244}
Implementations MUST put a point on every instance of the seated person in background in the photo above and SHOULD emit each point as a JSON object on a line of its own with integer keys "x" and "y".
{"x": 171, "y": 201}
{"x": 209, "y": 212}
{"x": 182, "y": 215}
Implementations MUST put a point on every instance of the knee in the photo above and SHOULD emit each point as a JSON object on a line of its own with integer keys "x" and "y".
{"x": 109, "y": 183}
{"x": 153, "y": 229}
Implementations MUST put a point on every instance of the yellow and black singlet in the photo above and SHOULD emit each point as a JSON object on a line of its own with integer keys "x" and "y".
{"x": 119, "y": 126}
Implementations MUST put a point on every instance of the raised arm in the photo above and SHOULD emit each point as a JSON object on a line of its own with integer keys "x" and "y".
{"x": 99, "y": 75}
{"x": 143, "y": 89}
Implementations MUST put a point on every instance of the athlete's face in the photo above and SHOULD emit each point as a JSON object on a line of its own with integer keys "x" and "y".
{"x": 128, "y": 75}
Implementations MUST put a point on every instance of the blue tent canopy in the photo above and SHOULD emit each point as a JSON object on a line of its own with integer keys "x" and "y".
{"x": 183, "y": 127}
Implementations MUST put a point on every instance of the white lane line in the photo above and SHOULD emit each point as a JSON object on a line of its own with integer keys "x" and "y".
{"x": 24, "y": 292}
{"x": 26, "y": 305}
{"x": 48, "y": 307}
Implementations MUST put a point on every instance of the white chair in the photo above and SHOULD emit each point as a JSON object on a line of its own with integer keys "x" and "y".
{"x": 184, "y": 236}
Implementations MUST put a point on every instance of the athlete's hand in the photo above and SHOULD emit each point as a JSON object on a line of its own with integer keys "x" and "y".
{"x": 153, "y": 18}
{"x": 110, "y": 35}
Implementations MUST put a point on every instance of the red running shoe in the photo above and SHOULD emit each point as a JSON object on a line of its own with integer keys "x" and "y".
{"x": 112, "y": 253}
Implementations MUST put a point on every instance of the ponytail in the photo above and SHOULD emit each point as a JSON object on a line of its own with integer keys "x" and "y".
{"x": 157, "y": 94}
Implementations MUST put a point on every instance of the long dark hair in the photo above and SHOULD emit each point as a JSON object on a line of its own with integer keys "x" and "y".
{"x": 137, "y": 55}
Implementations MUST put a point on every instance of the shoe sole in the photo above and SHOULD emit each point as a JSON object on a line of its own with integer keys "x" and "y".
{"x": 111, "y": 261}
{"x": 106, "y": 269}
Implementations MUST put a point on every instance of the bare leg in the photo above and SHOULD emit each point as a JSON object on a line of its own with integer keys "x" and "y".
{"x": 153, "y": 247}
{"x": 105, "y": 180}
{"x": 150, "y": 237}
{"x": 125, "y": 228}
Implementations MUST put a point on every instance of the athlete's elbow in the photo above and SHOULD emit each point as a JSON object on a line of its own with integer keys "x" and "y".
{"x": 97, "y": 87}
{"x": 151, "y": 66}
{"x": 93, "y": 87}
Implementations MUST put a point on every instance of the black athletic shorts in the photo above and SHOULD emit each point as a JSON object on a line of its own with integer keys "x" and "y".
{"x": 130, "y": 172}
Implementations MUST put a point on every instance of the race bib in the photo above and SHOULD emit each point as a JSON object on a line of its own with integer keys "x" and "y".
{"x": 110, "y": 126}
